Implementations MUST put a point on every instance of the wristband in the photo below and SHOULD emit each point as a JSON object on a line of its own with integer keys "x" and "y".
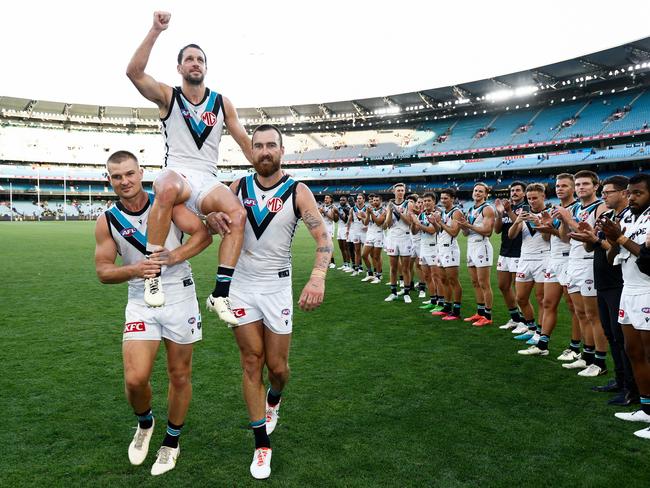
{"x": 621, "y": 240}
{"x": 318, "y": 273}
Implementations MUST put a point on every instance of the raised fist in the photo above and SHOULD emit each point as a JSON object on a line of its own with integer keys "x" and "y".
{"x": 161, "y": 20}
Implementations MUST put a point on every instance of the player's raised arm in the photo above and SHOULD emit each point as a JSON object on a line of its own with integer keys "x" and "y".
{"x": 314, "y": 291}
{"x": 106, "y": 254}
{"x": 152, "y": 90}
{"x": 236, "y": 130}
{"x": 188, "y": 223}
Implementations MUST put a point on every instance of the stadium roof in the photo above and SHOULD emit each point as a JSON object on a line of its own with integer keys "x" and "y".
{"x": 628, "y": 64}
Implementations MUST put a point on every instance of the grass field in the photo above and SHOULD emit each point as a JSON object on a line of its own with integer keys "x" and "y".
{"x": 382, "y": 394}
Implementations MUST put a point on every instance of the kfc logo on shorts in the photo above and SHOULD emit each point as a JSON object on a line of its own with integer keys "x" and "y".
{"x": 249, "y": 202}
{"x": 275, "y": 204}
{"x": 621, "y": 313}
{"x": 239, "y": 312}
{"x": 134, "y": 327}
{"x": 286, "y": 311}
{"x": 209, "y": 119}
{"x": 127, "y": 232}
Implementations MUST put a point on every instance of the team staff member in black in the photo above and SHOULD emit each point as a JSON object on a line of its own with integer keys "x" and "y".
{"x": 608, "y": 281}
{"x": 506, "y": 214}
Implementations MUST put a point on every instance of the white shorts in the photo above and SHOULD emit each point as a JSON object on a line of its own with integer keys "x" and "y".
{"x": 634, "y": 310}
{"x": 430, "y": 260}
{"x": 201, "y": 183}
{"x": 556, "y": 271}
{"x": 342, "y": 233}
{"x": 449, "y": 255}
{"x": 374, "y": 239}
{"x": 480, "y": 254}
{"x": 531, "y": 270}
{"x": 427, "y": 250}
{"x": 330, "y": 229}
{"x": 274, "y": 309}
{"x": 179, "y": 322}
{"x": 357, "y": 236}
{"x": 415, "y": 249}
{"x": 580, "y": 277}
{"x": 400, "y": 246}
{"x": 507, "y": 264}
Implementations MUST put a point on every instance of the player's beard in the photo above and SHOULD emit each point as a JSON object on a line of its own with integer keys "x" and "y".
{"x": 194, "y": 81}
{"x": 267, "y": 166}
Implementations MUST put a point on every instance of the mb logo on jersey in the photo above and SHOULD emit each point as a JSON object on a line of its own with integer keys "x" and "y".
{"x": 209, "y": 119}
{"x": 274, "y": 204}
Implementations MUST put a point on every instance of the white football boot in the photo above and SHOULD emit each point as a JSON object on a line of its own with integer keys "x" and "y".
{"x": 568, "y": 355}
{"x": 533, "y": 351}
{"x": 165, "y": 460}
{"x": 636, "y": 416}
{"x": 577, "y": 364}
{"x": 139, "y": 446}
{"x": 261, "y": 465}
{"x": 153, "y": 292}
{"x": 592, "y": 371}
{"x": 510, "y": 324}
{"x": 272, "y": 416}
{"x": 222, "y": 307}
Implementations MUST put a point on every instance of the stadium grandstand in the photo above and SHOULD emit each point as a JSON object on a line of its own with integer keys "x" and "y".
{"x": 590, "y": 112}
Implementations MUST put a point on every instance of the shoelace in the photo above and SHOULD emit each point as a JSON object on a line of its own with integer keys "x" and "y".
{"x": 139, "y": 438}
{"x": 261, "y": 456}
{"x": 153, "y": 285}
{"x": 163, "y": 454}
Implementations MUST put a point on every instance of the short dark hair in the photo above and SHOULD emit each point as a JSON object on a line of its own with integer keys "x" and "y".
{"x": 267, "y": 127}
{"x": 640, "y": 178}
{"x": 372, "y": 195}
{"x": 518, "y": 183}
{"x": 430, "y": 194}
{"x": 585, "y": 173}
{"x": 195, "y": 46}
{"x": 449, "y": 191}
{"x": 120, "y": 156}
{"x": 619, "y": 182}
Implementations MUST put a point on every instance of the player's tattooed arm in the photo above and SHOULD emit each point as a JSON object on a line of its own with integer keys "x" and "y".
{"x": 314, "y": 291}
{"x": 312, "y": 219}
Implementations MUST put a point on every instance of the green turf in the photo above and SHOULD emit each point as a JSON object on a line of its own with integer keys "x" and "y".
{"x": 382, "y": 394}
